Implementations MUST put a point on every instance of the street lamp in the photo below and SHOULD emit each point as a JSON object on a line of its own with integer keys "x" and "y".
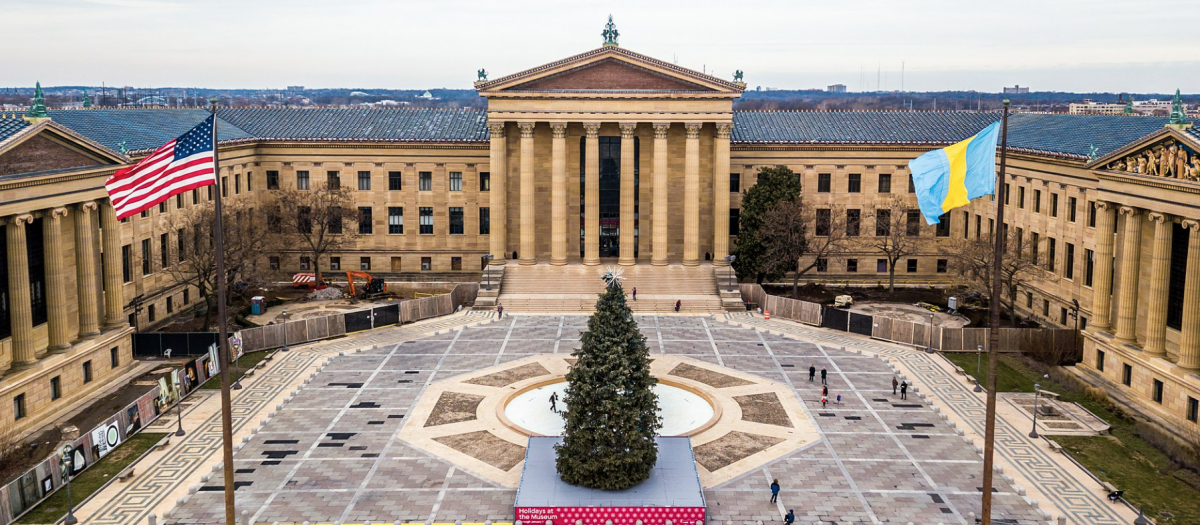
{"x": 68, "y": 462}
{"x": 284, "y": 316}
{"x": 929, "y": 338}
{"x": 179, "y": 410}
{"x": 1036, "y": 392}
{"x": 978, "y": 362}
{"x": 732, "y": 274}
{"x": 487, "y": 260}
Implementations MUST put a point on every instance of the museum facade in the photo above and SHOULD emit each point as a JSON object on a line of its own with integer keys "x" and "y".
{"x": 606, "y": 157}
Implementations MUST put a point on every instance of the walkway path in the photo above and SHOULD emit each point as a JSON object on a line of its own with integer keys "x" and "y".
{"x": 1065, "y": 488}
{"x": 165, "y": 476}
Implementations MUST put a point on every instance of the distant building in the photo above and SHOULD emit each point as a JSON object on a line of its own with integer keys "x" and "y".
{"x": 295, "y": 88}
{"x": 1016, "y": 90}
{"x": 836, "y": 88}
{"x": 359, "y": 94}
{"x": 1091, "y": 107}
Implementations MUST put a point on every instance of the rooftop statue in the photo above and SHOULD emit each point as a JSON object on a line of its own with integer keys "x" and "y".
{"x": 482, "y": 73}
{"x": 737, "y": 76}
{"x": 610, "y": 33}
{"x": 1178, "y": 115}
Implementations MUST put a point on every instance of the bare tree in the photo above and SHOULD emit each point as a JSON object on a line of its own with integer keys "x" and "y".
{"x": 794, "y": 232}
{"x": 316, "y": 222}
{"x": 895, "y": 235}
{"x": 245, "y": 241}
{"x": 1021, "y": 265}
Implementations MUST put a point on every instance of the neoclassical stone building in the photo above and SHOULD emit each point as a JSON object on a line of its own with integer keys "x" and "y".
{"x": 606, "y": 157}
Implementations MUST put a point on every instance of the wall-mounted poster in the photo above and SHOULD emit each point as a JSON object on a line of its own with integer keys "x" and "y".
{"x": 105, "y": 438}
{"x": 193, "y": 379}
{"x": 235, "y": 344}
{"x": 47, "y": 484}
{"x": 203, "y": 368}
{"x": 135, "y": 419}
{"x": 78, "y": 461}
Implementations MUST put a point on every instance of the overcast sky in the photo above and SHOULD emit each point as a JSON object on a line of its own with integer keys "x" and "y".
{"x": 1049, "y": 45}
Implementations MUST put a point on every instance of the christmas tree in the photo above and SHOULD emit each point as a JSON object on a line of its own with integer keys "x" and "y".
{"x": 612, "y": 411}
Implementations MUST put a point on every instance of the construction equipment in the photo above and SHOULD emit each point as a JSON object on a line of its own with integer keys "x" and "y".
{"x": 374, "y": 287}
{"x": 843, "y": 301}
{"x": 308, "y": 280}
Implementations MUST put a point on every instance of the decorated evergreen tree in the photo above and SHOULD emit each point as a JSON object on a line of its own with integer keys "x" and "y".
{"x": 612, "y": 411}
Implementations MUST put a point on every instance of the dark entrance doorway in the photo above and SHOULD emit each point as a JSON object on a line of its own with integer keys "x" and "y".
{"x": 610, "y": 194}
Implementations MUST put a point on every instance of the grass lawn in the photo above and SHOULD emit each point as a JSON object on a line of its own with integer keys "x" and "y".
{"x": 245, "y": 363}
{"x": 90, "y": 480}
{"x": 1123, "y": 458}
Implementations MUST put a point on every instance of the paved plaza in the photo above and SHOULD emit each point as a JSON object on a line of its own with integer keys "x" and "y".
{"x": 331, "y": 453}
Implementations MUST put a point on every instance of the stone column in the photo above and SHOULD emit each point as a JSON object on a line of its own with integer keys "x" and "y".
{"x": 1131, "y": 257}
{"x": 114, "y": 294}
{"x": 19, "y": 300}
{"x": 627, "y": 194}
{"x": 85, "y": 271}
{"x": 528, "y": 252}
{"x": 497, "y": 196}
{"x": 591, "y": 198}
{"x": 721, "y": 193}
{"x": 558, "y": 195}
{"x": 56, "y": 281}
{"x": 658, "y": 255}
{"x": 1189, "y": 336}
{"x": 1160, "y": 264}
{"x": 1102, "y": 270}
{"x": 691, "y": 196}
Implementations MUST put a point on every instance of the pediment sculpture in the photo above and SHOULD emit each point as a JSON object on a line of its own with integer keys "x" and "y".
{"x": 1169, "y": 159}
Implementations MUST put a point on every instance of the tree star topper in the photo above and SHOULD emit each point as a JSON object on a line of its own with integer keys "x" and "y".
{"x": 612, "y": 276}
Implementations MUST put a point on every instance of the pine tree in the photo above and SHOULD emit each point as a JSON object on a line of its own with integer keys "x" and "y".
{"x": 612, "y": 411}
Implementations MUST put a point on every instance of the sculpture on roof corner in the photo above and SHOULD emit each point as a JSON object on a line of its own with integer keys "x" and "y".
{"x": 121, "y": 147}
{"x": 482, "y": 75}
{"x": 1178, "y": 114}
{"x": 1093, "y": 152}
{"x": 737, "y": 77}
{"x": 610, "y": 33}
{"x": 37, "y": 109}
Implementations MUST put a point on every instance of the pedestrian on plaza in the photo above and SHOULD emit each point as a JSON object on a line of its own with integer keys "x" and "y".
{"x": 634, "y": 293}
{"x": 894, "y": 385}
{"x": 554, "y": 401}
{"x": 774, "y": 491}
{"x": 824, "y": 390}
{"x": 839, "y": 399}
{"x": 790, "y": 518}
{"x": 500, "y": 311}
{"x": 824, "y": 400}
{"x": 823, "y": 375}
{"x": 678, "y": 303}
{"x": 903, "y": 390}
{"x": 812, "y": 372}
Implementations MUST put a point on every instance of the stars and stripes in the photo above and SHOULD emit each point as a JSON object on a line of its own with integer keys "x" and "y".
{"x": 180, "y": 165}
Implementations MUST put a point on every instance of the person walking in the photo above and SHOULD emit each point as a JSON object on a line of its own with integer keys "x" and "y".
{"x": 789, "y": 518}
{"x": 823, "y": 375}
{"x": 824, "y": 390}
{"x": 824, "y": 400}
{"x": 894, "y": 385}
{"x": 678, "y": 303}
{"x": 774, "y": 491}
{"x": 634, "y": 293}
{"x": 903, "y": 390}
{"x": 554, "y": 401}
{"x": 500, "y": 311}
{"x": 839, "y": 399}
{"x": 812, "y": 372}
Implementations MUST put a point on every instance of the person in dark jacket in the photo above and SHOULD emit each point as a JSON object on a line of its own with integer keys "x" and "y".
{"x": 678, "y": 303}
{"x": 894, "y": 385}
{"x": 790, "y": 518}
{"x": 812, "y": 372}
{"x": 903, "y": 390}
{"x": 823, "y": 375}
{"x": 774, "y": 491}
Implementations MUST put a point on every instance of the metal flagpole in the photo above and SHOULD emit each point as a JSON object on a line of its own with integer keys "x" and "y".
{"x": 989, "y": 436}
{"x": 223, "y": 335}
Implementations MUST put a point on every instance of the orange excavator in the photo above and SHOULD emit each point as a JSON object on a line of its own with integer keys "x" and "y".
{"x": 374, "y": 287}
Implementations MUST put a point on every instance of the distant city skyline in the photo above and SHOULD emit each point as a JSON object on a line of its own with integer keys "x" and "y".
{"x": 940, "y": 45}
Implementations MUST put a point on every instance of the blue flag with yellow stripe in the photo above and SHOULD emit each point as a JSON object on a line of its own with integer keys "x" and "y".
{"x": 950, "y": 177}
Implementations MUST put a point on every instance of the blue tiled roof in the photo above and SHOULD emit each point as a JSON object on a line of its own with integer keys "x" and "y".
{"x": 1075, "y": 134}
{"x": 418, "y": 124}
{"x": 11, "y": 125}
{"x": 141, "y": 129}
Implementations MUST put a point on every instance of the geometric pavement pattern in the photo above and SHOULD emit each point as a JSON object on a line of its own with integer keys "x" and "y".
{"x": 331, "y": 453}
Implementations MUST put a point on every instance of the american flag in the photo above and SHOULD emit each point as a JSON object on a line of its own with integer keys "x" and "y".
{"x": 180, "y": 165}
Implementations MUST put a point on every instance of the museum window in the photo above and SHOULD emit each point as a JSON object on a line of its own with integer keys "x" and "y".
{"x": 272, "y": 180}
{"x": 195, "y": 197}
{"x": 334, "y": 221}
{"x": 426, "y": 264}
{"x": 55, "y": 388}
{"x": 178, "y": 201}
{"x": 162, "y": 207}
{"x": 456, "y": 221}
{"x": 485, "y": 181}
{"x": 224, "y": 187}
{"x": 396, "y": 264}
{"x": 1037, "y": 201}
{"x": 180, "y": 252}
{"x": 966, "y": 225}
{"x": 1069, "y": 270}
{"x": 364, "y": 220}
{"x": 164, "y": 242}
{"x": 942, "y": 229}
{"x": 127, "y": 263}
{"x": 1089, "y": 262}
{"x": 170, "y": 305}
{"x": 114, "y": 357}
{"x": 912, "y": 188}
{"x": 187, "y": 295}
{"x": 1051, "y": 253}
{"x": 302, "y": 180}
{"x": 1158, "y": 391}
{"x": 1062, "y": 316}
{"x": 1176, "y": 275}
{"x": 1100, "y": 360}
{"x": 943, "y": 265}
{"x": 978, "y": 227}
{"x": 19, "y": 406}
{"x": 485, "y": 221}
{"x": 822, "y": 264}
{"x": 249, "y": 181}
{"x": 335, "y": 263}
{"x": 395, "y": 220}
{"x": 146, "y": 255}
{"x": 272, "y": 263}
{"x": 912, "y": 223}
{"x": 1091, "y": 214}
{"x": 456, "y": 264}
{"x": 237, "y": 183}
{"x": 456, "y": 181}
{"x": 823, "y": 182}
{"x": 1071, "y": 203}
{"x": 1045, "y": 308}
{"x": 87, "y": 372}
{"x": 1054, "y": 205}
{"x": 1035, "y": 244}
{"x": 364, "y": 263}
{"x": 854, "y": 183}
{"x": 883, "y": 222}
{"x": 824, "y": 222}
{"x": 304, "y": 219}
{"x": 885, "y": 183}
{"x": 364, "y": 181}
{"x": 911, "y": 265}
{"x": 426, "y": 221}
{"x": 852, "y": 220}
{"x": 333, "y": 180}
{"x": 395, "y": 182}
{"x": 735, "y": 215}
{"x": 425, "y": 179}
{"x": 305, "y": 262}
{"x": 1007, "y": 193}
{"x": 1029, "y": 299}
{"x": 735, "y": 182}
{"x": 881, "y": 266}
{"x": 1126, "y": 374}
{"x": 1193, "y": 407}
{"x": 851, "y": 265}
{"x": 1021, "y": 197}
{"x": 151, "y": 314}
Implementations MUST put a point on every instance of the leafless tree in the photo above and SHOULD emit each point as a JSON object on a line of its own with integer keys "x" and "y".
{"x": 894, "y": 236}
{"x": 316, "y": 222}
{"x": 1021, "y": 265}
{"x": 794, "y": 232}
{"x": 245, "y": 241}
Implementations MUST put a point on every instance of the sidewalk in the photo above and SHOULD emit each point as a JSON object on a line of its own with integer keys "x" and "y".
{"x": 165, "y": 476}
{"x": 1057, "y": 485}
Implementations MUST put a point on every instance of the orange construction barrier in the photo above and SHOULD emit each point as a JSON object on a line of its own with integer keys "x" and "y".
{"x": 766, "y": 314}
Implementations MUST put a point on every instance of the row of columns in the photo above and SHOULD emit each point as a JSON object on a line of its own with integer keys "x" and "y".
{"x": 1125, "y": 326}
{"x": 59, "y": 277}
{"x": 527, "y": 250}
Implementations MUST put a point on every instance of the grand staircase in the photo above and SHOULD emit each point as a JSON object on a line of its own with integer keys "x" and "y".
{"x": 575, "y": 287}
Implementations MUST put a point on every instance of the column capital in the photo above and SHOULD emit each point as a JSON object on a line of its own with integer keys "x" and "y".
{"x": 1128, "y": 211}
{"x": 558, "y": 129}
{"x": 1103, "y": 205}
{"x": 496, "y": 128}
{"x": 592, "y": 129}
{"x": 56, "y": 213}
{"x": 18, "y": 220}
{"x": 88, "y": 206}
{"x": 526, "y": 129}
{"x": 627, "y": 129}
{"x": 1156, "y": 217}
{"x": 660, "y": 129}
{"x": 1189, "y": 224}
{"x": 693, "y": 129}
{"x": 724, "y": 129}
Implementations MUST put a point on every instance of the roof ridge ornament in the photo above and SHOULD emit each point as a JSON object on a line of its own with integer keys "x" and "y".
{"x": 1179, "y": 118}
{"x": 610, "y": 33}
{"x": 37, "y": 109}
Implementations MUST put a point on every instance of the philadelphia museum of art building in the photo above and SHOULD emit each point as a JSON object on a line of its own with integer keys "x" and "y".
{"x": 606, "y": 157}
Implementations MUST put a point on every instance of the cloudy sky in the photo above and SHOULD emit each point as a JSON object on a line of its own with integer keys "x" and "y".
{"x": 1049, "y": 45}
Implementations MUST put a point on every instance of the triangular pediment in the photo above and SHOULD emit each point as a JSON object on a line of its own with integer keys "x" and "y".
{"x": 609, "y": 69}
{"x": 1169, "y": 152}
{"x": 48, "y": 146}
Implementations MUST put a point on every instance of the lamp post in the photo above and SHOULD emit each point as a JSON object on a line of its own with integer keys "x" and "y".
{"x": 1075, "y": 314}
{"x": 1036, "y": 393}
{"x": 732, "y": 274}
{"x": 237, "y": 377}
{"x": 929, "y": 337}
{"x": 487, "y": 260}
{"x": 284, "y": 316}
{"x": 179, "y": 410}
{"x": 68, "y": 463}
{"x": 978, "y": 362}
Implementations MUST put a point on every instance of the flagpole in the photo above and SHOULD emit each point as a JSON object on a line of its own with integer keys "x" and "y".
{"x": 223, "y": 334}
{"x": 989, "y": 437}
